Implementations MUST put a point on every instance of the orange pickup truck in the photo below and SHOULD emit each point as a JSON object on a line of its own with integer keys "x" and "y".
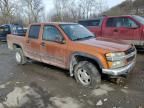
{"x": 71, "y": 46}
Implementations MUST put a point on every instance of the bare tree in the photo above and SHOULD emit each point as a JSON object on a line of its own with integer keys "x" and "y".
{"x": 101, "y": 6}
{"x": 138, "y": 6}
{"x": 72, "y": 10}
{"x": 86, "y": 7}
{"x": 33, "y": 9}
{"x": 61, "y": 7}
{"x": 7, "y": 10}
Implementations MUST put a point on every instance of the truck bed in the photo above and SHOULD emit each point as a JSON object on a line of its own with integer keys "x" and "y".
{"x": 14, "y": 39}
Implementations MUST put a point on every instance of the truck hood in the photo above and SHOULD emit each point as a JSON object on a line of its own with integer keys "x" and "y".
{"x": 107, "y": 44}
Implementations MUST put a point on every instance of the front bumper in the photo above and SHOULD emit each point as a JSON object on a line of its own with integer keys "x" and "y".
{"x": 120, "y": 71}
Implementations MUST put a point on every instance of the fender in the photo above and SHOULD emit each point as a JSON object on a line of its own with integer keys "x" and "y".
{"x": 73, "y": 60}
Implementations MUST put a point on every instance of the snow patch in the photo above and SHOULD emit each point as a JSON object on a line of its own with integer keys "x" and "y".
{"x": 16, "y": 98}
{"x": 99, "y": 103}
{"x": 124, "y": 91}
{"x": 21, "y": 96}
{"x": 35, "y": 95}
{"x": 105, "y": 99}
{"x": 99, "y": 92}
{"x": 67, "y": 102}
{"x": 104, "y": 89}
{"x": 1, "y": 105}
{"x": 4, "y": 85}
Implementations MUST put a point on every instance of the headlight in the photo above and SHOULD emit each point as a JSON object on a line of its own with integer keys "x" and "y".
{"x": 115, "y": 56}
{"x": 116, "y": 60}
{"x": 117, "y": 64}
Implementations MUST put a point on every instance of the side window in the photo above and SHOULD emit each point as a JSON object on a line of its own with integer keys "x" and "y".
{"x": 34, "y": 31}
{"x": 94, "y": 23}
{"x": 51, "y": 33}
{"x": 120, "y": 22}
{"x": 129, "y": 22}
{"x": 125, "y": 22}
{"x": 5, "y": 29}
{"x": 84, "y": 23}
{"x": 1, "y": 29}
{"x": 90, "y": 22}
{"x": 111, "y": 22}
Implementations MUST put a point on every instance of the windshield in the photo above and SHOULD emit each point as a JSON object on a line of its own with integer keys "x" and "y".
{"x": 1, "y": 30}
{"x": 4, "y": 30}
{"x": 76, "y": 32}
{"x": 139, "y": 19}
{"x": 17, "y": 29}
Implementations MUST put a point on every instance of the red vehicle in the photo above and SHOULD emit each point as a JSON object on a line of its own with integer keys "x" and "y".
{"x": 129, "y": 28}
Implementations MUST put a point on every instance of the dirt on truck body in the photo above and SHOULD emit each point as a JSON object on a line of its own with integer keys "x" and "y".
{"x": 71, "y": 46}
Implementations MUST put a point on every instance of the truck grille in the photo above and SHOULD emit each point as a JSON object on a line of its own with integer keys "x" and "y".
{"x": 130, "y": 59}
{"x": 130, "y": 52}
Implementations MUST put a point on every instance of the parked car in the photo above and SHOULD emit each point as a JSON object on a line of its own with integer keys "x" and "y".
{"x": 11, "y": 29}
{"x": 129, "y": 28}
{"x": 73, "y": 47}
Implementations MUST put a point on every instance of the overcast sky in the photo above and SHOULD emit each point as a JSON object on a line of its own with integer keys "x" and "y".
{"x": 49, "y": 4}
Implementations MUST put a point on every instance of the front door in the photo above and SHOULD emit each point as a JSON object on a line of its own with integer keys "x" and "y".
{"x": 53, "y": 51}
{"x": 128, "y": 29}
{"x": 32, "y": 47}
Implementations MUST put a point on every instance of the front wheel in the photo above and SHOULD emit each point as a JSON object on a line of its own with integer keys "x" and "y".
{"x": 20, "y": 58}
{"x": 87, "y": 74}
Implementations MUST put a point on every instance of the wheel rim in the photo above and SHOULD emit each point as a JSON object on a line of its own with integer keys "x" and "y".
{"x": 18, "y": 57}
{"x": 84, "y": 77}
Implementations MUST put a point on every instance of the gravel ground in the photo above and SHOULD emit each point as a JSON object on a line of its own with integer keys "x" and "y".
{"x": 38, "y": 85}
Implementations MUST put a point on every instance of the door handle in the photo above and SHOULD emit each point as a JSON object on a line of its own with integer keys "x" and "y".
{"x": 42, "y": 44}
{"x": 115, "y": 30}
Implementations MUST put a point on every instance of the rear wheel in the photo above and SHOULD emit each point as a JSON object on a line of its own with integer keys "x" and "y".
{"x": 87, "y": 74}
{"x": 20, "y": 58}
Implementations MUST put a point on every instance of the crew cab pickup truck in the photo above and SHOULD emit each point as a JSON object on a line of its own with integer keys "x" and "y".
{"x": 73, "y": 47}
{"x": 129, "y": 28}
{"x": 10, "y": 29}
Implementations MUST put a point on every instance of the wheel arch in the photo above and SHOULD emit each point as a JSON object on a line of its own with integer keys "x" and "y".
{"x": 79, "y": 56}
{"x": 15, "y": 45}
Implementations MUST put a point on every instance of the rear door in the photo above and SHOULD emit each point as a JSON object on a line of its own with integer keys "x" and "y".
{"x": 53, "y": 51}
{"x": 32, "y": 46}
{"x": 109, "y": 29}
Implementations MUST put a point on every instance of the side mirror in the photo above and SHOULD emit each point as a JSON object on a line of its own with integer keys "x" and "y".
{"x": 64, "y": 41}
{"x": 60, "y": 39}
{"x": 135, "y": 27}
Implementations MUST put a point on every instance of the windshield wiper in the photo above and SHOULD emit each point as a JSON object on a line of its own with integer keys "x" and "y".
{"x": 84, "y": 38}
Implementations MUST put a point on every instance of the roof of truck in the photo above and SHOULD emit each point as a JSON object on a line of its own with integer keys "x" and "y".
{"x": 54, "y": 23}
{"x": 122, "y": 16}
{"x": 104, "y": 16}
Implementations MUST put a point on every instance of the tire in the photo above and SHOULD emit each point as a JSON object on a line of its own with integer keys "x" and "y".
{"x": 19, "y": 56}
{"x": 87, "y": 75}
